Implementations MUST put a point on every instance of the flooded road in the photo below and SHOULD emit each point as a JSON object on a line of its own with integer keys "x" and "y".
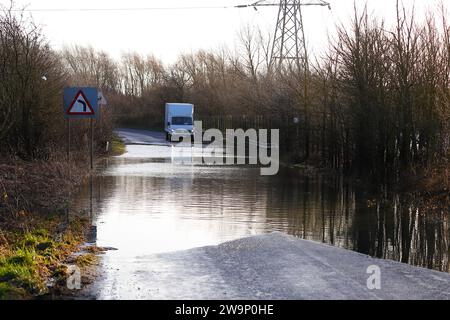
{"x": 153, "y": 201}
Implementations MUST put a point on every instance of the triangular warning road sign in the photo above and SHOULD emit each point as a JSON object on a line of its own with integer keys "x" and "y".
{"x": 80, "y": 105}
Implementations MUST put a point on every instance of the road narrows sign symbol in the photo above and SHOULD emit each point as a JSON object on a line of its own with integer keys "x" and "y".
{"x": 80, "y": 105}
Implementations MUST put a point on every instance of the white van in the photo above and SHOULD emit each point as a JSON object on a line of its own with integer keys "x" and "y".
{"x": 179, "y": 121}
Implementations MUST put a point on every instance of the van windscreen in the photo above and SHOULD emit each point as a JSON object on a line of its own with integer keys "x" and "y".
{"x": 182, "y": 121}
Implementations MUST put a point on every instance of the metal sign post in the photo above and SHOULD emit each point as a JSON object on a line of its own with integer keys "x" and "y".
{"x": 82, "y": 103}
{"x": 92, "y": 143}
{"x": 68, "y": 139}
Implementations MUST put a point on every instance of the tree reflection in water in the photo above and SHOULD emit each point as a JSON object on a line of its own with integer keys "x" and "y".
{"x": 398, "y": 227}
{"x": 197, "y": 205}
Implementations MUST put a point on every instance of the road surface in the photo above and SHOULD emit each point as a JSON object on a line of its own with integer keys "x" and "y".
{"x": 264, "y": 266}
{"x": 142, "y": 137}
{"x": 271, "y": 266}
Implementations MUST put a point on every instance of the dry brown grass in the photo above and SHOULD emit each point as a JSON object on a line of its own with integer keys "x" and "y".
{"x": 37, "y": 186}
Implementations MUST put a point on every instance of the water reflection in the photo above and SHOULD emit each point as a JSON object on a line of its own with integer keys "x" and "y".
{"x": 335, "y": 212}
{"x": 143, "y": 206}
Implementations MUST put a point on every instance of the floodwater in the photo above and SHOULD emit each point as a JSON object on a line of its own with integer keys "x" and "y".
{"x": 148, "y": 201}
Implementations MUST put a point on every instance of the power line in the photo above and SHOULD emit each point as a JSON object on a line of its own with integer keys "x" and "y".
{"x": 262, "y": 3}
{"x": 120, "y": 9}
{"x": 256, "y": 4}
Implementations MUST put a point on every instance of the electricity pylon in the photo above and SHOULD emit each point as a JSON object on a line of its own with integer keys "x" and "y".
{"x": 289, "y": 48}
{"x": 289, "y": 43}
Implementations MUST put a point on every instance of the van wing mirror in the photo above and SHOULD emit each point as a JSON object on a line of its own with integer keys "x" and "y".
{"x": 168, "y": 123}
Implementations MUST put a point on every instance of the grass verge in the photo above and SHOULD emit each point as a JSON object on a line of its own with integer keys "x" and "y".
{"x": 29, "y": 258}
{"x": 117, "y": 146}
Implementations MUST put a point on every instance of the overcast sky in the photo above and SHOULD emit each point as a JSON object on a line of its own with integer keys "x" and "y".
{"x": 166, "y": 33}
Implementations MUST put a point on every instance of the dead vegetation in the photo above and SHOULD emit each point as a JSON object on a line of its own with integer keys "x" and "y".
{"x": 38, "y": 186}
